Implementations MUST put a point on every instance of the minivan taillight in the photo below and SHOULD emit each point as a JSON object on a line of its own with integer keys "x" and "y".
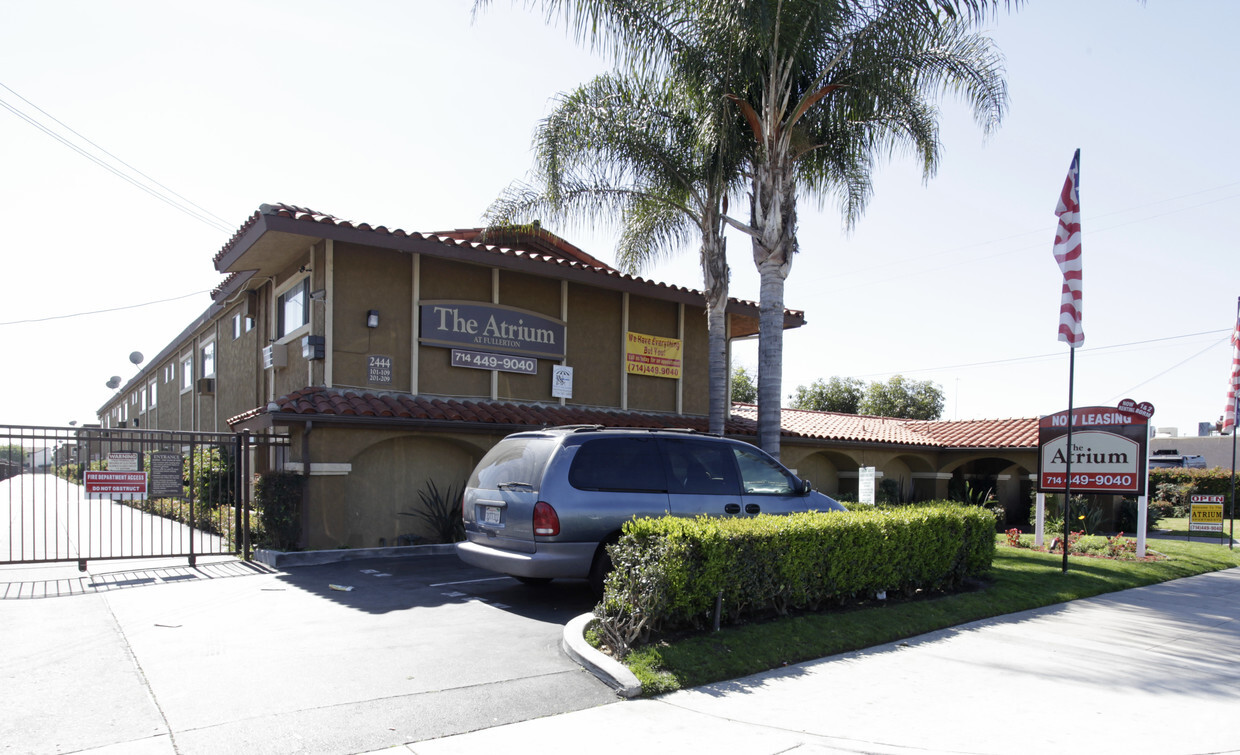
{"x": 546, "y": 521}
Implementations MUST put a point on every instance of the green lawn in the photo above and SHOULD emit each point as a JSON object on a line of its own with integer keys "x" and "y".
{"x": 1178, "y": 527}
{"x": 1021, "y": 579}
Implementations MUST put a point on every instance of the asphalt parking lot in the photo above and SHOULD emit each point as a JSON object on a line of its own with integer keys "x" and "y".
{"x": 157, "y": 657}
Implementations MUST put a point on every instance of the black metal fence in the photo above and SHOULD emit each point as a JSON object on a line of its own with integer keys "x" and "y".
{"x": 84, "y": 494}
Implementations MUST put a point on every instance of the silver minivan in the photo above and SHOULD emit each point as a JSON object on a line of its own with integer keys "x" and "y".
{"x": 544, "y": 504}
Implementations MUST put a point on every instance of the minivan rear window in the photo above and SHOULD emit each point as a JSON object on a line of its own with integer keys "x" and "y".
{"x": 625, "y": 464}
{"x": 513, "y": 461}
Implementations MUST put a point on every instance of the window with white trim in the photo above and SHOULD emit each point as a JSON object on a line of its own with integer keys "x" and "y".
{"x": 187, "y": 372}
{"x": 241, "y": 325}
{"x": 293, "y": 308}
{"x": 207, "y": 361}
{"x": 151, "y": 389}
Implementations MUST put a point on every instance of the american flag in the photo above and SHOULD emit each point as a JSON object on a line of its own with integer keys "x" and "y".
{"x": 1068, "y": 255}
{"x": 1233, "y": 386}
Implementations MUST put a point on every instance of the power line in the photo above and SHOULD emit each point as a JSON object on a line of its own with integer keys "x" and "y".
{"x": 1013, "y": 360}
{"x": 163, "y": 193}
{"x": 869, "y": 269}
{"x": 103, "y": 311}
{"x": 1164, "y": 372}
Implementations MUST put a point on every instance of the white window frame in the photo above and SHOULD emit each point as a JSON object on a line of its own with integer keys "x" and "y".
{"x": 208, "y": 345}
{"x": 187, "y": 372}
{"x": 241, "y": 325}
{"x": 153, "y": 390}
{"x": 304, "y": 327}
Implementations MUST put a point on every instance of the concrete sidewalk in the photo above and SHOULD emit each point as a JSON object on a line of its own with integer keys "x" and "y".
{"x": 1150, "y": 670}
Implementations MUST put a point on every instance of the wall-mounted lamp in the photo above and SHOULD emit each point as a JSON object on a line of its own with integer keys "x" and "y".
{"x": 372, "y": 318}
{"x": 318, "y": 295}
{"x": 312, "y": 347}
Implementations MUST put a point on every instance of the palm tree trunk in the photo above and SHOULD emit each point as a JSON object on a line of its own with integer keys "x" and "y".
{"x": 773, "y": 211}
{"x": 715, "y": 274}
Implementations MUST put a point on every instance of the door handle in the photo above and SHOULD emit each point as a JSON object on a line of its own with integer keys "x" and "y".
{"x": 752, "y": 508}
{"x": 732, "y": 508}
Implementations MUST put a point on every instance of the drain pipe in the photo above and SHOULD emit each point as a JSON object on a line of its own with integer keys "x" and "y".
{"x": 305, "y": 484}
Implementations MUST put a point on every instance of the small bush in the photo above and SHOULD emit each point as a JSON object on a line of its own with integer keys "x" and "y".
{"x": 277, "y": 500}
{"x": 441, "y": 512}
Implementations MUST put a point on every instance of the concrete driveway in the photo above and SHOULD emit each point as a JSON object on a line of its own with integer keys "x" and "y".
{"x": 160, "y": 658}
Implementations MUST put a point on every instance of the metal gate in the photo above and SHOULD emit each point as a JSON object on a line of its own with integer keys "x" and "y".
{"x": 87, "y": 494}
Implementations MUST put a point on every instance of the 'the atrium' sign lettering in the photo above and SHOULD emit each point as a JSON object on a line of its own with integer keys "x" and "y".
{"x": 492, "y": 327}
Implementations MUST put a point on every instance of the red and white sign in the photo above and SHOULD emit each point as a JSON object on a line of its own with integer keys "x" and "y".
{"x": 97, "y": 482}
{"x": 1107, "y": 454}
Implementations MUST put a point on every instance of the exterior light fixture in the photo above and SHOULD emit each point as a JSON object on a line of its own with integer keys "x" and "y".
{"x": 312, "y": 347}
{"x": 372, "y": 318}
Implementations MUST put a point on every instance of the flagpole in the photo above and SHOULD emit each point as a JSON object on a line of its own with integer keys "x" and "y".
{"x": 1067, "y": 482}
{"x": 1235, "y": 414}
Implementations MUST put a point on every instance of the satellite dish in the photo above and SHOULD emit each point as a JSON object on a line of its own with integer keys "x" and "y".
{"x": 114, "y": 381}
{"x": 136, "y": 357}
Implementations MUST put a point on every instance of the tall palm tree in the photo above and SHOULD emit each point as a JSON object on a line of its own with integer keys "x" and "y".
{"x": 647, "y": 156}
{"x": 825, "y": 86}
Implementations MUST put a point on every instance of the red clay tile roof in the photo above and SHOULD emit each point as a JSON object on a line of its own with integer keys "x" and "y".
{"x": 979, "y": 433}
{"x": 319, "y": 402}
{"x": 338, "y": 402}
{"x": 986, "y": 433}
{"x": 562, "y": 256}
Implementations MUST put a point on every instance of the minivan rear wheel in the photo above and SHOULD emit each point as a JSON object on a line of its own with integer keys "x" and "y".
{"x": 600, "y": 569}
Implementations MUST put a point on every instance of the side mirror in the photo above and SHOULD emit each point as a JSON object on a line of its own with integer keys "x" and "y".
{"x": 806, "y": 487}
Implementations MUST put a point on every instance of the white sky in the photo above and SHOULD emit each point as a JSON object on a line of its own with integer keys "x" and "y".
{"x": 410, "y": 115}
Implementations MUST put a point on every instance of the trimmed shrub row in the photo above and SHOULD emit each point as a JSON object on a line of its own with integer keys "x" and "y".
{"x": 671, "y": 573}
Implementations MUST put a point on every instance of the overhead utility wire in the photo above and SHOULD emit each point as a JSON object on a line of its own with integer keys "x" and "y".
{"x": 903, "y": 260}
{"x": 1169, "y": 369}
{"x": 1046, "y": 356}
{"x": 201, "y": 215}
{"x": 102, "y": 311}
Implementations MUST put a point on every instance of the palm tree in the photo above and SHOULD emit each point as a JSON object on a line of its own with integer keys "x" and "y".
{"x": 825, "y": 87}
{"x": 642, "y": 154}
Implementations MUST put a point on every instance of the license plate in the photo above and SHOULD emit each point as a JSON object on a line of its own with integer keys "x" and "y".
{"x": 490, "y": 515}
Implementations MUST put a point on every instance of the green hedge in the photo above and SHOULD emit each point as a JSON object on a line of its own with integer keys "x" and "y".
{"x": 669, "y": 572}
{"x": 277, "y": 500}
{"x": 1216, "y": 481}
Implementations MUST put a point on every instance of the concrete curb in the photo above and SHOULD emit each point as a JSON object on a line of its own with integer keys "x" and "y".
{"x": 610, "y": 671}
{"x": 282, "y": 559}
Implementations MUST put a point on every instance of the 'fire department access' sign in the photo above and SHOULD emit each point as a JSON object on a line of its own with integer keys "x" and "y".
{"x": 1107, "y": 454}
{"x": 97, "y": 482}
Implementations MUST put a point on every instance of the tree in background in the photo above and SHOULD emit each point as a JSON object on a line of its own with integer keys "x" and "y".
{"x": 835, "y": 395}
{"x": 744, "y": 389}
{"x": 898, "y": 397}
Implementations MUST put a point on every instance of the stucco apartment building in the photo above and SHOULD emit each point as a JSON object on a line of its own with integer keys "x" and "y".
{"x": 393, "y": 359}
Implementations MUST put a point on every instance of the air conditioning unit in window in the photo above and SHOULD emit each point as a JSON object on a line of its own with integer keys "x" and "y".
{"x": 206, "y": 385}
{"x": 275, "y": 356}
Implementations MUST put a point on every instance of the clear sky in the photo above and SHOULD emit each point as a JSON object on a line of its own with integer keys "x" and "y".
{"x": 414, "y": 115}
